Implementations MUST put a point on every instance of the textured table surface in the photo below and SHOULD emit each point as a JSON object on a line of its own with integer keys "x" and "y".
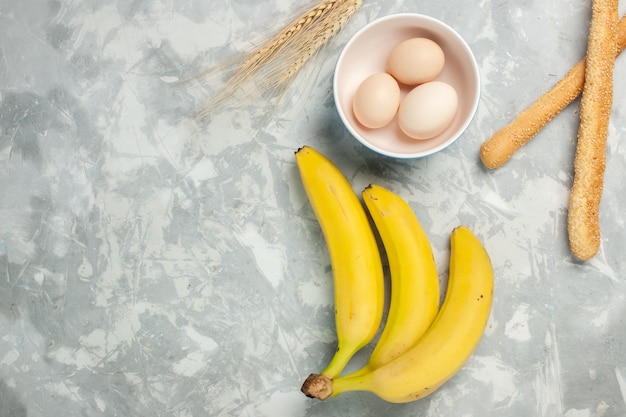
{"x": 151, "y": 266}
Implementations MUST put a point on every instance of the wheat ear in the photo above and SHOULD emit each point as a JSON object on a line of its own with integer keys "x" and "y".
{"x": 328, "y": 25}
{"x": 274, "y": 64}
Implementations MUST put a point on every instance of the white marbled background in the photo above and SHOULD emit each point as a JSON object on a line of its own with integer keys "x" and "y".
{"x": 150, "y": 266}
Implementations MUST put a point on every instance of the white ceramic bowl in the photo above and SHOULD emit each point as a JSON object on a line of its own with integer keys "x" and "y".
{"x": 366, "y": 53}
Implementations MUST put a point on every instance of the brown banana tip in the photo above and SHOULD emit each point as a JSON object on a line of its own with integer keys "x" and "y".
{"x": 317, "y": 386}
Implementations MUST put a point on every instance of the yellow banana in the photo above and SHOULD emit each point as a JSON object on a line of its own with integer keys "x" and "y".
{"x": 447, "y": 344}
{"x": 414, "y": 299}
{"x": 354, "y": 256}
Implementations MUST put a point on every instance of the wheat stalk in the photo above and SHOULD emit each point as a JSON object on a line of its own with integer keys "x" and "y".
{"x": 328, "y": 25}
{"x": 275, "y": 63}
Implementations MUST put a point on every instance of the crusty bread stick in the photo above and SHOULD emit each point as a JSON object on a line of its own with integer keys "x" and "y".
{"x": 498, "y": 149}
{"x": 583, "y": 224}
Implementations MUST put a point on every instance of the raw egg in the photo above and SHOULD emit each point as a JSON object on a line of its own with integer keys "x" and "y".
{"x": 428, "y": 109}
{"x": 376, "y": 100}
{"x": 416, "y": 61}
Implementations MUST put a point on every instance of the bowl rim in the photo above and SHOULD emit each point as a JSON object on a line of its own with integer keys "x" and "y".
{"x": 475, "y": 75}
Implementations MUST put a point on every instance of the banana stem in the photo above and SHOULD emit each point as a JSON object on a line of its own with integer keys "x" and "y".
{"x": 364, "y": 370}
{"x": 339, "y": 361}
{"x": 317, "y": 386}
{"x": 322, "y": 387}
{"x": 352, "y": 382}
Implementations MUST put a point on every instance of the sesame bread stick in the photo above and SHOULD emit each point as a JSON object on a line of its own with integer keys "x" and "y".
{"x": 500, "y": 147}
{"x": 583, "y": 224}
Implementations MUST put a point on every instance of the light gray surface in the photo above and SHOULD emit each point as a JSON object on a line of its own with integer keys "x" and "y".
{"x": 153, "y": 267}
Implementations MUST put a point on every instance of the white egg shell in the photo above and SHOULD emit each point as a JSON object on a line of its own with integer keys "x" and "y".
{"x": 428, "y": 109}
{"x": 416, "y": 61}
{"x": 376, "y": 100}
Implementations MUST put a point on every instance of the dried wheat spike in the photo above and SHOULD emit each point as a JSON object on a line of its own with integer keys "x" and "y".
{"x": 275, "y": 62}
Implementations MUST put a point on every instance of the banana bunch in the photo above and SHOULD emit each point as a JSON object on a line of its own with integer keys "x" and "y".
{"x": 421, "y": 346}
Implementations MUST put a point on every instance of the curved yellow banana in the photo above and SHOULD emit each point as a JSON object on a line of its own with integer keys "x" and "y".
{"x": 354, "y": 256}
{"x": 414, "y": 299}
{"x": 447, "y": 344}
